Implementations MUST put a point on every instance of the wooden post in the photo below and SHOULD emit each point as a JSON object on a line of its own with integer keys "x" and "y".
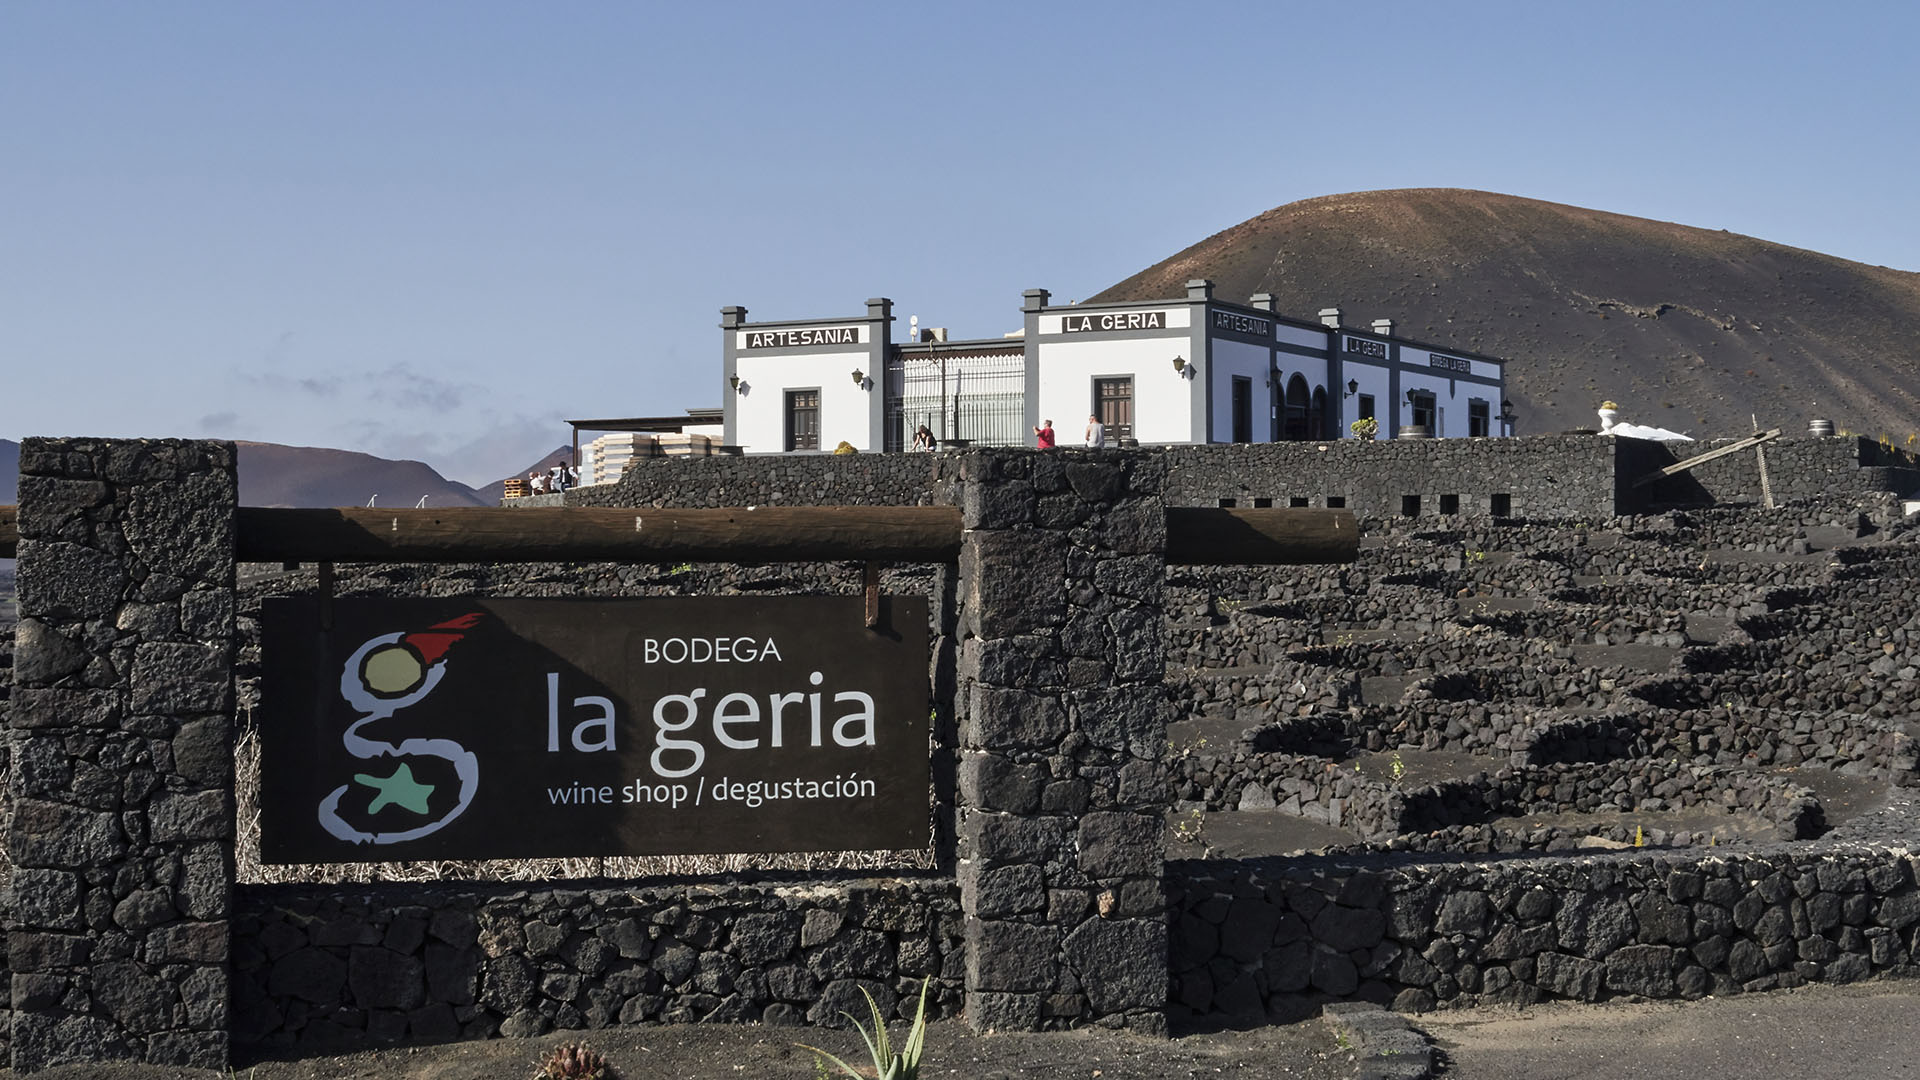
{"x": 1195, "y": 535}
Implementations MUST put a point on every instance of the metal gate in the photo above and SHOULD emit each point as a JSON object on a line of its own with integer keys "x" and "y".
{"x": 981, "y": 397}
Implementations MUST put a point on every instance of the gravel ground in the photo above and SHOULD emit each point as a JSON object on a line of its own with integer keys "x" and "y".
{"x": 1306, "y": 1050}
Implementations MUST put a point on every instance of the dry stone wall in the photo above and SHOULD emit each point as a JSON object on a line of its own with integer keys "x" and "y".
{"x": 1562, "y": 476}
{"x": 119, "y": 723}
{"x": 321, "y": 968}
{"x": 1063, "y": 786}
{"x": 1497, "y": 639}
{"x": 1255, "y": 938}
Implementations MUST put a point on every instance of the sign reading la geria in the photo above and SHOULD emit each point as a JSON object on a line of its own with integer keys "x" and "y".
{"x": 490, "y": 728}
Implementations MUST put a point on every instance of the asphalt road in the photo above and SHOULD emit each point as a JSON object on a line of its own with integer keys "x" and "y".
{"x": 1866, "y": 1030}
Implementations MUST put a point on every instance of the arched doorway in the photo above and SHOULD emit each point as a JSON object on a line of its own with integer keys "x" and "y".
{"x": 1317, "y": 416}
{"x": 1299, "y": 403}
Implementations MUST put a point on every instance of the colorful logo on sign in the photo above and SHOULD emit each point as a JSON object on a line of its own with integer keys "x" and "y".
{"x": 427, "y": 782}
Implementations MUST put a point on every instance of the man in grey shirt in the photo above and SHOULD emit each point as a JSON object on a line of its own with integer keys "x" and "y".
{"x": 1096, "y": 433}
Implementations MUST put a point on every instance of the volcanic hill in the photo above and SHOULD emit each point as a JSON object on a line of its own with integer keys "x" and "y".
{"x": 1686, "y": 328}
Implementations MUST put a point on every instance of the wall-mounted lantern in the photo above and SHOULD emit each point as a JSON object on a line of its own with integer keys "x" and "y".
{"x": 859, "y": 377}
{"x": 1179, "y": 364}
{"x": 1353, "y": 387}
{"x": 733, "y": 381}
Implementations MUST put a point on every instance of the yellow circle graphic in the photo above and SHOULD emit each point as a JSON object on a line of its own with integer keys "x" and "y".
{"x": 392, "y": 670}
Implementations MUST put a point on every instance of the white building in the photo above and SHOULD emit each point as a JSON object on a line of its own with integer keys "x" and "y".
{"x": 1187, "y": 370}
{"x": 603, "y": 459}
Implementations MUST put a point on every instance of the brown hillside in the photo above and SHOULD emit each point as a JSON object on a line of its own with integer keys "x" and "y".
{"x": 275, "y": 475}
{"x": 1686, "y": 328}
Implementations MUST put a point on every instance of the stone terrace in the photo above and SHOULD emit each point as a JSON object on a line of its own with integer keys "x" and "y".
{"x": 1682, "y": 700}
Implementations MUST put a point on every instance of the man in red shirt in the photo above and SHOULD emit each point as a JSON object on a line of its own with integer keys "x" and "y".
{"x": 1044, "y": 433}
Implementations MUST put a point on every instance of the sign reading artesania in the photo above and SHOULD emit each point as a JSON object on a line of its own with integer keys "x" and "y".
{"x": 487, "y": 728}
{"x": 806, "y": 335}
{"x": 1242, "y": 324}
{"x": 1113, "y": 320}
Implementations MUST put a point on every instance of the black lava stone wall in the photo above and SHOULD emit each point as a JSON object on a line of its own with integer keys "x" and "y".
{"x": 326, "y": 967}
{"x": 1270, "y": 937}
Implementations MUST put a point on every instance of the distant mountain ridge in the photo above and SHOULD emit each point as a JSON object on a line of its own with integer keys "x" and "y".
{"x": 311, "y": 476}
{"x": 1686, "y": 328}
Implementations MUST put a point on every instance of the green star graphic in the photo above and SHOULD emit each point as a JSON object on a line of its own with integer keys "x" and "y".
{"x": 400, "y": 789}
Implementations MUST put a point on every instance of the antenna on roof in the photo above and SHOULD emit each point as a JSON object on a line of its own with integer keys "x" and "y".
{"x": 422, "y": 504}
{"x": 372, "y": 497}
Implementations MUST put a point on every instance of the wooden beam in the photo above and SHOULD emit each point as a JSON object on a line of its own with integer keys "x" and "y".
{"x": 1206, "y": 536}
{"x": 1195, "y": 536}
{"x": 599, "y": 534}
{"x": 1701, "y": 459}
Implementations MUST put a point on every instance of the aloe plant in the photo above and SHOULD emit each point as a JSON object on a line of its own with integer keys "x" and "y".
{"x": 575, "y": 1061}
{"x": 888, "y": 1063}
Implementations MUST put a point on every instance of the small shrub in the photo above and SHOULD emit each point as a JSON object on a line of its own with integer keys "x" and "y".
{"x": 574, "y": 1061}
{"x": 1364, "y": 428}
{"x": 845, "y": 447}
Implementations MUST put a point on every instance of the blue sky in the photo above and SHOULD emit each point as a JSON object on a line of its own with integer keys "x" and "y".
{"x": 436, "y": 230}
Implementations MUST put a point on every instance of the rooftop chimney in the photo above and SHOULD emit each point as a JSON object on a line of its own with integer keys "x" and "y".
{"x": 1383, "y": 327}
{"x": 1261, "y": 300}
{"x": 1034, "y": 299}
{"x": 1199, "y": 289}
{"x": 1330, "y": 316}
{"x": 732, "y": 316}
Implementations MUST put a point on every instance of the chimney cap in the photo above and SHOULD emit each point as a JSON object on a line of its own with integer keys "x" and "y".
{"x": 1330, "y": 316}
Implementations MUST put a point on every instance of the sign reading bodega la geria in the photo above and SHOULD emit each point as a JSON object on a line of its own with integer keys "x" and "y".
{"x": 495, "y": 728}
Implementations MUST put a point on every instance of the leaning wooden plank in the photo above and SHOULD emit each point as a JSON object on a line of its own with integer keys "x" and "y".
{"x": 1238, "y": 537}
{"x": 1731, "y": 448}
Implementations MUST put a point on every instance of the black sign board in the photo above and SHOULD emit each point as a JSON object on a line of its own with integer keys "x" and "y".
{"x": 1449, "y": 363}
{"x": 497, "y": 728}
{"x": 1113, "y": 320}
{"x": 1375, "y": 349}
{"x": 1242, "y": 324}
{"x": 809, "y": 335}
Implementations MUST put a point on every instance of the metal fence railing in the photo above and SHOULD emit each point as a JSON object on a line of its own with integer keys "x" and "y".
{"x": 978, "y": 397}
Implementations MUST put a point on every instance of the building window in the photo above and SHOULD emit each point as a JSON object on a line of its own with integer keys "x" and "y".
{"x": 1113, "y": 404}
{"x": 1477, "y": 419}
{"x": 1242, "y": 409}
{"x": 803, "y": 419}
{"x": 1366, "y": 407}
{"x": 1423, "y": 410}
